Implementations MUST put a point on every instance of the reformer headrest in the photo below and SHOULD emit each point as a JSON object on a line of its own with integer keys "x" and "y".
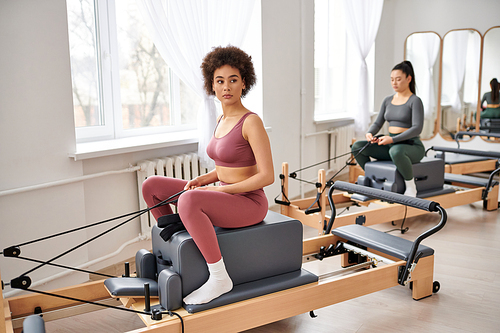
{"x": 430, "y": 206}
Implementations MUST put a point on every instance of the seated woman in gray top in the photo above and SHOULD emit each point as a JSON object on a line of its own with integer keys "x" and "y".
{"x": 492, "y": 99}
{"x": 404, "y": 112}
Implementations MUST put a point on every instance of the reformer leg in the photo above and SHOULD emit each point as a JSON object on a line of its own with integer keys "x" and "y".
{"x": 422, "y": 278}
{"x": 492, "y": 202}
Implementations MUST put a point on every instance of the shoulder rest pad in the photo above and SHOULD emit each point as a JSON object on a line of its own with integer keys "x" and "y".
{"x": 130, "y": 286}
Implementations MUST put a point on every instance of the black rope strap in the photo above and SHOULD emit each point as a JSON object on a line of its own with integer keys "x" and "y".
{"x": 281, "y": 202}
{"x": 14, "y": 251}
{"x": 23, "y": 281}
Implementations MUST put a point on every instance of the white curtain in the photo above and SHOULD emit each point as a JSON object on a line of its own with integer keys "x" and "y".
{"x": 455, "y": 55}
{"x": 471, "y": 81}
{"x": 362, "y": 22}
{"x": 184, "y": 31}
{"x": 423, "y": 53}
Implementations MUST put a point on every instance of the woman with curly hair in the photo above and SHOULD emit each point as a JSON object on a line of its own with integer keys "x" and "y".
{"x": 241, "y": 151}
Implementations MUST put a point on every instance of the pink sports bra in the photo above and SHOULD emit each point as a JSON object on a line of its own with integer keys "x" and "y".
{"x": 232, "y": 150}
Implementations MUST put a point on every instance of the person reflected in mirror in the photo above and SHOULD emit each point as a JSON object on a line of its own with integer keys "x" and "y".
{"x": 490, "y": 104}
{"x": 404, "y": 112}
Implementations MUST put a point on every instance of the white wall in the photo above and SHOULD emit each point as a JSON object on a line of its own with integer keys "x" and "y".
{"x": 37, "y": 131}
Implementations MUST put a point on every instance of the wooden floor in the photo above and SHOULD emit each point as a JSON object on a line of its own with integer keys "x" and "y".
{"x": 467, "y": 264}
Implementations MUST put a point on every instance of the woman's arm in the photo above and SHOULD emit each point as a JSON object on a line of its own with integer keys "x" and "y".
{"x": 379, "y": 121}
{"x": 482, "y": 102}
{"x": 255, "y": 133}
{"x": 205, "y": 179}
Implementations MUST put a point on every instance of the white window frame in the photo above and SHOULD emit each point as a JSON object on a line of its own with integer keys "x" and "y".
{"x": 109, "y": 86}
{"x": 342, "y": 112}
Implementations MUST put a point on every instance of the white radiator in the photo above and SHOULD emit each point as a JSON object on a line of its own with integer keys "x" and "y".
{"x": 340, "y": 142}
{"x": 185, "y": 166}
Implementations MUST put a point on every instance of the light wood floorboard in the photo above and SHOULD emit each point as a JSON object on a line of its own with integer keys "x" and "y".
{"x": 467, "y": 265}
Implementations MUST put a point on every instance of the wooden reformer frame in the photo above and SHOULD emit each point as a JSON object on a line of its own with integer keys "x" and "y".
{"x": 264, "y": 309}
{"x": 241, "y": 315}
{"x": 385, "y": 212}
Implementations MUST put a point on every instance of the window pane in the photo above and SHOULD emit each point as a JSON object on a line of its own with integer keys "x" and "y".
{"x": 190, "y": 104}
{"x": 144, "y": 75}
{"x": 329, "y": 57}
{"x": 84, "y": 60}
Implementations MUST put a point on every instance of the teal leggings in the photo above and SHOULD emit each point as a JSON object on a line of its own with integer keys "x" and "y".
{"x": 402, "y": 155}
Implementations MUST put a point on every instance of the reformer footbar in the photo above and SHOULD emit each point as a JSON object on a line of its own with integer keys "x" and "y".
{"x": 388, "y": 243}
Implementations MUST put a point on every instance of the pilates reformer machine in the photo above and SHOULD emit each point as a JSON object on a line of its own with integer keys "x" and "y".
{"x": 265, "y": 264}
{"x": 431, "y": 180}
{"x": 457, "y": 160}
{"x": 467, "y": 161}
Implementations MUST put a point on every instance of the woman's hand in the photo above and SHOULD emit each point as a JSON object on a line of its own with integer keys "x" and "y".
{"x": 371, "y": 138}
{"x": 211, "y": 188}
{"x": 385, "y": 140}
{"x": 192, "y": 184}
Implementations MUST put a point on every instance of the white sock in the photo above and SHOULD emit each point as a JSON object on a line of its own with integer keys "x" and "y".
{"x": 411, "y": 188}
{"x": 218, "y": 283}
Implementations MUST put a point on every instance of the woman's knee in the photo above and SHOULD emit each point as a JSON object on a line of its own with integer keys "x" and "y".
{"x": 358, "y": 145}
{"x": 189, "y": 203}
{"x": 149, "y": 186}
{"x": 396, "y": 152}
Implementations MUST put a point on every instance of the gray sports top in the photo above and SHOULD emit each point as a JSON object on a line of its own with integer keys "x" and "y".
{"x": 409, "y": 115}
{"x": 487, "y": 98}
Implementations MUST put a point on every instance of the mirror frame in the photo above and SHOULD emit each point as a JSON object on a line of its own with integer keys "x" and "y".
{"x": 478, "y": 112}
{"x": 479, "y": 81}
{"x": 437, "y": 126}
{"x": 438, "y": 96}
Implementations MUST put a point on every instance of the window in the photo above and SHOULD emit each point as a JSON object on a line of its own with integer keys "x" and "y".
{"x": 335, "y": 71}
{"x": 121, "y": 85}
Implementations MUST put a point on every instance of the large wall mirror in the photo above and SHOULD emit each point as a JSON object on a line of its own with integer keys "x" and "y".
{"x": 423, "y": 49}
{"x": 459, "y": 80}
{"x": 490, "y": 109}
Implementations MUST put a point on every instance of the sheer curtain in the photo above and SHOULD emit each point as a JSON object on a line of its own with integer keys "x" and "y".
{"x": 362, "y": 22}
{"x": 454, "y": 56}
{"x": 184, "y": 31}
{"x": 471, "y": 78}
{"x": 425, "y": 52}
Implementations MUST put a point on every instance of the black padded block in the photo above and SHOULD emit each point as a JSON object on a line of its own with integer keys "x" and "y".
{"x": 269, "y": 248}
{"x": 257, "y": 288}
{"x": 130, "y": 286}
{"x": 380, "y": 241}
{"x": 383, "y": 175}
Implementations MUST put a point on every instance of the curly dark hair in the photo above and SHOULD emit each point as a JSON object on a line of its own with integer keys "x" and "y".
{"x": 232, "y": 56}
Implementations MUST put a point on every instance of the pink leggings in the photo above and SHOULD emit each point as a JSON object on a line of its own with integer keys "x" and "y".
{"x": 201, "y": 210}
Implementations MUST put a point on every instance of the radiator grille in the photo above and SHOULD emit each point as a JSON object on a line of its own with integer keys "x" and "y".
{"x": 185, "y": 166}
{"x": 340, "y": 141}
